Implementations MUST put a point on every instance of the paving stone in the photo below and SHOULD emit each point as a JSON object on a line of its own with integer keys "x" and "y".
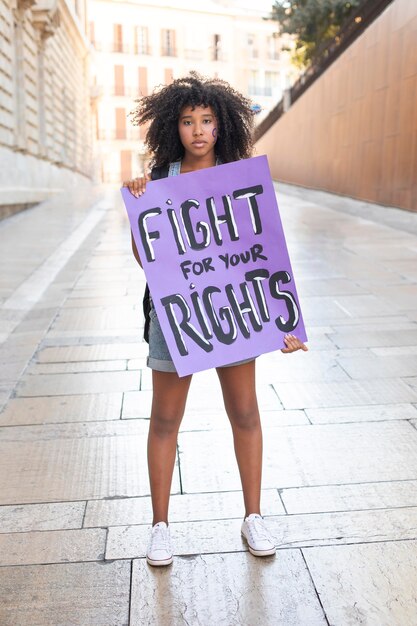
{"x": 206, "y": 399}
{"x": 378, "y": 338}
{"x": 103, "y": 301}
{"x": 289, "y": 531}
{"x": 73, "y": 594}
{"x": 200, "y": 537}
{"x": 137, "y": 364}
{"x": 137, "y": 404}
{"x": 102, "y": 335}
{"x": 351, "y": 306}
{"x": 77, "y": 430}
{"x": 371, "y": 323}
{"x": 57, "y": 546}
{"x": 99, "y": 292}
{"x": 192, "y": 507}
{"x": 77, "y": 468}
{"x": 56, "y": 516}
{"x": 63, "y": 384}
{"x": 366, "y": 583}
{"x": 77, "y": 367}
{"x": 400, "y": 249}
{"x": 232, "y": 589}
{"x": 304, "y": 455}
{"x": 300, "y": 530}
{"x": 362, "y": 413}
{"x": 97, "y": 277}
{"x": 308, "y": 371}
{"x": 75, "y": 408}
{"x": 99, "y": 318}
{"x": 395, "y": 350}
{"x": 407, "y": 268}
{"x": 405, "y": 326}
{"x": 269, "y": 419}
{"x": 101, "y": 352}
{"x": 201, "y": 400}
{"x": 380, "y": 367}
{"x": 350, "y": 497}
{"x": 315, "y": 395}
{"x": 331, "y": 287}
{"x": 405, "y": 296}
{"x": 113, "y": 261}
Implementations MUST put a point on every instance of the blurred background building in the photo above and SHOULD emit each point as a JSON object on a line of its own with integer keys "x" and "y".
{"x": 139, "y": 45}
{"x": 45, "y": 117}
{"x": 70, "y": 71}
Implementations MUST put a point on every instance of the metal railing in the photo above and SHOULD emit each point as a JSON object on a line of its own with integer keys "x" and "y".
{"x": 194, "y": 55}
{"x": 121, "y": 48}
{"x": 120, "y": 134}
{"x": 121, "y": 90}
{"x": 255, "y": 90}
{"x": 356, "y": 24}
{"x": 168, "y": 51}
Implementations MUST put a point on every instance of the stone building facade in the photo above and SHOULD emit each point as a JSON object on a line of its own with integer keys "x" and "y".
{"x": 45, "y": 106}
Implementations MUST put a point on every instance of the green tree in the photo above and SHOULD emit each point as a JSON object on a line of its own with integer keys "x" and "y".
{"x": 312, "y": 22}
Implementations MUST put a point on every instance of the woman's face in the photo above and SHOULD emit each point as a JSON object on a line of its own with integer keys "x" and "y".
{"x": 197, "y": 128}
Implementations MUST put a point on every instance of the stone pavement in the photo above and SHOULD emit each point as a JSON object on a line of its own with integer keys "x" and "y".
{"x": 340, "y": 434}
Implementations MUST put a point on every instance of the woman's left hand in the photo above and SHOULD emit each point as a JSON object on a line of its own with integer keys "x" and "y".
{"x": 293, "y": 344}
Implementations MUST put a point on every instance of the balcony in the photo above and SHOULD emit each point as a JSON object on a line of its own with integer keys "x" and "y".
{"x": 194, "y": 55}
{"x": 218, "y": 55}
{"x": 255, "y": 90}
{"x": 122, "y": 90}
{"x": 121, "y": 48}
{"x": 120, "y": 134}
{"x": 168, "y": 51}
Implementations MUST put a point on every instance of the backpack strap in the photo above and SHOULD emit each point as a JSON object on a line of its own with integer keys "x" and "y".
{"x": 159, "y": 172}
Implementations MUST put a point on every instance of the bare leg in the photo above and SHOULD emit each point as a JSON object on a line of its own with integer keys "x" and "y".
{"x": 239, "y": 393}
{"x": 168, "y": 404}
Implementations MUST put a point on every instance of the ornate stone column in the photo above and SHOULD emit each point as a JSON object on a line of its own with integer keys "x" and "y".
{"x": 20, "y": 9}
{"x": 46, "y": 20}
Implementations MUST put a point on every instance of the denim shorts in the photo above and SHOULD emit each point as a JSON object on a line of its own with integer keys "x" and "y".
{"x": 159, "y": 358}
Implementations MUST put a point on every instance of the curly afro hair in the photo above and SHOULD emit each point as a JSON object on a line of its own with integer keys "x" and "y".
{"x": 162, "y": 108}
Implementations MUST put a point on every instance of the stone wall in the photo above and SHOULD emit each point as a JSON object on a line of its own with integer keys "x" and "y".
{"x": 45, "y": 112}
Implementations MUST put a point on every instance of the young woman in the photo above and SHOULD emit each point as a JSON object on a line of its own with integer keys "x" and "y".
{"x": 196, "y": 123}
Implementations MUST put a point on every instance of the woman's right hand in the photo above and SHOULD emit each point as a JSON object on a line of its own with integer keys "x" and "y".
{"x": 137, "y": 186}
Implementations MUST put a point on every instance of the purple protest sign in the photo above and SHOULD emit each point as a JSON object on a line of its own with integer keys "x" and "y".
{"x": 216, "y": 261}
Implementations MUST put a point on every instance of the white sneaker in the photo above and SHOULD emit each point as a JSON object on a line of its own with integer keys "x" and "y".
{"x": 260, "y": 541}
{"x": 159, "y": 550}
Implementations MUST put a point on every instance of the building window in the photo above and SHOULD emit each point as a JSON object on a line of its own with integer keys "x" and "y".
{"x": 252, "y": 47}
{"x": 216, "y": 48}
{"x": 141, "y": 40}
{"x": 92, "y": 33}
{"x": 254, "y": 82}
{"x": 272, "y": 48}
{"x": 119, "y": 80}
{"x": 168, "y": 43}
{"x": 117, "y": 38}
{"x": 271, "y": 82}
{"x": 126, "y": 164}
{"x": 168, "y": 76}
{"x": 120, "y": 124}
{"x": 143, "y": 81}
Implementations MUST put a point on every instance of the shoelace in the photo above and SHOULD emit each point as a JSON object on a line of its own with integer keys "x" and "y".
{"x": 160, "y": 537}
{"x": 258, "y": 530}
